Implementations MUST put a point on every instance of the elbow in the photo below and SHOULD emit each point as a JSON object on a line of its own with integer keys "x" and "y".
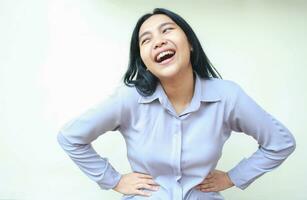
{"x": 281, "y": 149}
{"x": 292, "y": 145}
{"x": 64, "y": 142}
{"x": 60, "y": 138}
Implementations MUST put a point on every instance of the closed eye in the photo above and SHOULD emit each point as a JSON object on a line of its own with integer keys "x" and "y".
{"x": 143, "y": 41}
{"x": 169, "y": 28}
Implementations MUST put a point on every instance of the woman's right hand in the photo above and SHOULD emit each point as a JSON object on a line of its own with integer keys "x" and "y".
{"x": 131, "y": 183}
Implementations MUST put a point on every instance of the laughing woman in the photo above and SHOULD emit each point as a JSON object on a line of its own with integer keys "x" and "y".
{"x": 175, "y": 113}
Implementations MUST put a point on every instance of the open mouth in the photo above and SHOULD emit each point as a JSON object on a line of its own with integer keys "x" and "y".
{"x": 165, "y": 56}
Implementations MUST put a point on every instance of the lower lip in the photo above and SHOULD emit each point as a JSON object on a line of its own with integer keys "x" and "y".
{"x": 167, "y": 61}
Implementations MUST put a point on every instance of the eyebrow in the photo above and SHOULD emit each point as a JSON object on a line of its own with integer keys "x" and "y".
{"x": 160, "y": 26}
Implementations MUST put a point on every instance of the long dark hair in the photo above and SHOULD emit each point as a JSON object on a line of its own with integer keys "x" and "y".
{"x": 146, "y": 82}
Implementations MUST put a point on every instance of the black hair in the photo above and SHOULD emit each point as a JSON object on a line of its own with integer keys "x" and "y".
{"x": 146, "y": 82}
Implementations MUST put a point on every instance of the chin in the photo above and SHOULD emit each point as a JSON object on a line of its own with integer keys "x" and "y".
{"x": 168, "y": 72}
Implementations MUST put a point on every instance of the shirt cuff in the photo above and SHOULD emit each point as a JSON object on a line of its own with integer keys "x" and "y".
{"x": 237, "y": 177}
{"x": 111, "y": 178}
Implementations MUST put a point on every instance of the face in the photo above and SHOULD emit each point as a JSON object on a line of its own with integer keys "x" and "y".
{"x": 164, "y": 47}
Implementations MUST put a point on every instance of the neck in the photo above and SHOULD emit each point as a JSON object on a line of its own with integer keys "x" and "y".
{"x": 180, "y": 89}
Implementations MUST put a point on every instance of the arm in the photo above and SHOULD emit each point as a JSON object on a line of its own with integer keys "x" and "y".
{"x": 275, "y": 141}
{"x": 75, "y": 138}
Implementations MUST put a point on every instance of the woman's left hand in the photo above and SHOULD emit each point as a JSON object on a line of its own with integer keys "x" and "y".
{"x": 216, "y": 181}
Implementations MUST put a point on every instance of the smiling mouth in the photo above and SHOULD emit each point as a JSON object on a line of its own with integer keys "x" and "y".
{"x": 165, "y": 57}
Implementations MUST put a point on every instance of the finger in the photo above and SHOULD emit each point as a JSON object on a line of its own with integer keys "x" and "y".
{"x": 214, "y": 188}
{"x": 149, "y": 187}
{"x": 140, "y": 175}
{"x": 208, "y": 178}
{"x": 150, "y": 182}
{"x": 206, "y": 186}
{"x": 210, "y": 175}
{"x": 207, "y": 181}
{"x": 208, "y": 190}
{"x": 139, "y": 186}
{"x": 143, "y": 193}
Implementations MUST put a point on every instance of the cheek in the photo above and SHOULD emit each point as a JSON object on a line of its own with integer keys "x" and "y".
{"x": 184, "y": 47}
{"x": 145, "y": 56}
{"x": 185, "y": 54}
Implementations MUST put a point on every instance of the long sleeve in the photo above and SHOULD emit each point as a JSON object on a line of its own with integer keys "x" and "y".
{"x": 275, "y": 141}
{"x": 75, "y": 138}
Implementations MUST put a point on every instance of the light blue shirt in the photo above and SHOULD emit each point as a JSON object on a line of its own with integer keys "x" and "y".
{"x": 178, "y": 151}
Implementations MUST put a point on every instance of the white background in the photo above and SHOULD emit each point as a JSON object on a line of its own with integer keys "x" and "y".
{"x": 60, "y": 57}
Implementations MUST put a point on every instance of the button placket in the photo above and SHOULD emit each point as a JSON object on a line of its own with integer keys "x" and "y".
{"x": 177, "y": 192}
{"x": 178, "y": 146}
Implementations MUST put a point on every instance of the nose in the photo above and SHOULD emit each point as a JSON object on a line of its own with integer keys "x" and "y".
{"x": 160, "y": 42}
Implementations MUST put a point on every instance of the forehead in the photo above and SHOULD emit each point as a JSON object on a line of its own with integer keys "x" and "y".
{"x": 153, "y": 22}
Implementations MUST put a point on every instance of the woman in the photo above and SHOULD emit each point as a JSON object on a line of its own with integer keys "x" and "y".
{"x": 175, "y": 117}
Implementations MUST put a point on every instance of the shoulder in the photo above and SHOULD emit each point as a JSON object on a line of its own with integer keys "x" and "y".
{"x": 222, "y": 87}
{"x": 127, "y": 95}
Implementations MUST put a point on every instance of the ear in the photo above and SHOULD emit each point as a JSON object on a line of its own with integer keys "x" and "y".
{"x": 191, "y": 48}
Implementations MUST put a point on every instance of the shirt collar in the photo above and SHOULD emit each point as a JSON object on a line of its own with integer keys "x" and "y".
{"x": 204, "y": 91}
{"x": 155, "y": 95}
{"x": 208, "y": 90}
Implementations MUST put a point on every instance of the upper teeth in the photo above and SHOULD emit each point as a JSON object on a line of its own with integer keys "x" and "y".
{"x": 163, "y": 54}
